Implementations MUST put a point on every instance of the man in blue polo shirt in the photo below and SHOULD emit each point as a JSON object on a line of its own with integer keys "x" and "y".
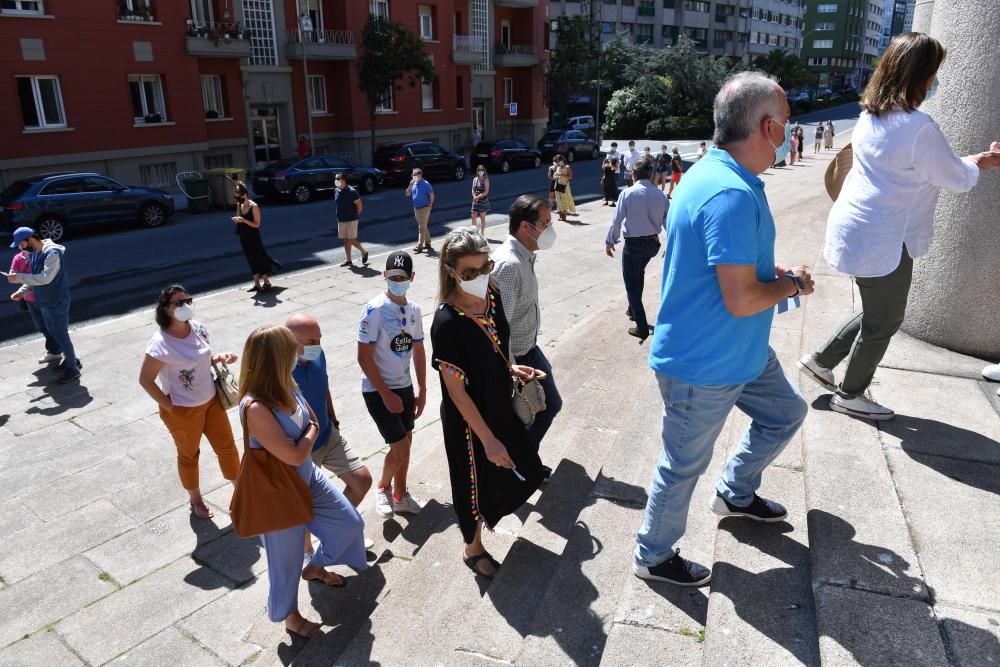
{"x": 349, "y": 208}
{"x": 710, "y": 346}
{"x": 422, "y": 195}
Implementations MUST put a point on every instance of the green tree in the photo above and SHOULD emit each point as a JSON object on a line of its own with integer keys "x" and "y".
{"x": 572, "y": 63}
{"x": 786, "y": 67}
{"x": 389, "y": 53}
{"x": 626, "y": 114}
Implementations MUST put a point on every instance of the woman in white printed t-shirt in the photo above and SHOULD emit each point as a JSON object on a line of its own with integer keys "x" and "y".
{"x": 884, "y": 216}
{"x": 179, "y": 355}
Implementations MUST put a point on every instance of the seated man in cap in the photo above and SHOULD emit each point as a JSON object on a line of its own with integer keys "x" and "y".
{"x": 390, "y": 333}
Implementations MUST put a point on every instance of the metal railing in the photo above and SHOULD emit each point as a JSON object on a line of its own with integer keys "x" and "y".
{"x": 468, "y": 43}
{"x": 342, "y": 37}
{"x": 515, "y": 49}
{"x": 216, "y": 30}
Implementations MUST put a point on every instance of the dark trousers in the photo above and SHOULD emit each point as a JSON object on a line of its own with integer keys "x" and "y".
{"x": 51, "y": 346}
{"x": 865, "y": 336}
{"x": 553, "y": 401}
{"x": 636, "y": 255}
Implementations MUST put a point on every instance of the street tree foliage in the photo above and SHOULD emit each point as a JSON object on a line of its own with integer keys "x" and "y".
{"x": 572, "y": 65}
{"x": 390, "y": 54}
{"x": 787, "y": 68}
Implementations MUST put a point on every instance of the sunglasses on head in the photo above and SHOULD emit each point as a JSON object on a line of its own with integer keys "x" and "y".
{"x": 472, "y": 274}
{"x": 177, "y": 302}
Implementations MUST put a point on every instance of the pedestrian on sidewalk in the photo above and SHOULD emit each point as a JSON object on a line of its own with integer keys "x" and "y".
{"x": 564, "y": 189}
{"x": 349, "y": 206}
{"x": 248, "y": 219}
{"x": 303, "y": 149}
{"x": 710, "y": 349}
{"x": 794, "y": 152}
{"x": 609, "y": 182}
{"x": 661, "y": 173}
{"x": 676, "y": 171}
{"x": 884, "y": 216}
{"x": 702, "y": 150}
{"x": 480, "y": 198}
{"x": 276, "y": 417}
{"x": 551, "y": 174}
{"x": 331, "y": 450}
{"x": 801, "y": 134}
{"x": 180, "y": 357}
{"x": 615, "y": 154}
{"x": 492, "y": 460}
{"x": 818, "y": 138}
{"x": 421, "y": 194}
{"x": 628, "y": 161}
{"x": 390, "y": 334}
{"x": 21, "y": 263}
{"x": 642, "y": 209}
{"x": 530, "y": 230}
{"x": 828, "y": 135}
{"x": 47, "y": 279}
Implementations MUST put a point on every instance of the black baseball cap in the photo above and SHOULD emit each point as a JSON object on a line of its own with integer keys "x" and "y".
{"x": 399, "y": 263}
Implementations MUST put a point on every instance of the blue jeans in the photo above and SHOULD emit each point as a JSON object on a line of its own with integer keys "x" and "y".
{"x": 51, "y": 346}
{"x": 693, "y": 417}
{"x": 553, "y": 401}
{"x": 55, "y": 316}
{"x": 635, "y": 257}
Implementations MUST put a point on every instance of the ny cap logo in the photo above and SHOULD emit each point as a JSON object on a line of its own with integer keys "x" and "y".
{"x": 398, "y": 261}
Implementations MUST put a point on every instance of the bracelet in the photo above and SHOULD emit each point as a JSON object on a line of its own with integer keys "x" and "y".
{"x": 795, "y": 281}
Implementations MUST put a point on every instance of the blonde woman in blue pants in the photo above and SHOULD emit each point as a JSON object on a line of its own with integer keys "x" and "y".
{"x": 278, "y": 419}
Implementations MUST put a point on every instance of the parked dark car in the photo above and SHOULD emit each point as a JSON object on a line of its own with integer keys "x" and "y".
{"x": 53, "y": 203}
{"x": 504, "y": 154}
{"x": 397, "y": 161}
{"x": 571, "y": 143}
{"x": 300, "y": 179}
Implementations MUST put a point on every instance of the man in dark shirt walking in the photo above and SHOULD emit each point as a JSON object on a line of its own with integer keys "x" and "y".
{"x": 348, "y": 211}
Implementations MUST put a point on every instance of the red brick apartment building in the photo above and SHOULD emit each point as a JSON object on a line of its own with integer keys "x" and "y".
{"x": 142, "y": 89}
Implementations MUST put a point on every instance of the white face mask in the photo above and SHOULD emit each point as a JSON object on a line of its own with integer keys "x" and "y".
{"x": 184, "y": 312}
{"x": 398, "y": 287}
{"x": 311, "y": 352}
{"x": 546, "y": 239}
{"x": 477, "y": 286}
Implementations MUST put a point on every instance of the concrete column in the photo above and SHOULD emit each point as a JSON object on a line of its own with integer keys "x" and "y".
{"x": 923, "y": 12}
{"x": 955, "y": 300}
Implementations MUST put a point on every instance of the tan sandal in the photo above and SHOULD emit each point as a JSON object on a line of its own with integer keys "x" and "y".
{"x": 331, "y": 579}
{"x": 201, "y": 510}
{"x": 306, "y": 630}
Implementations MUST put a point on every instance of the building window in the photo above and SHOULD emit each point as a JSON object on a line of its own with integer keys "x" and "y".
{"x": 158, "y": 175}
{"x": 459, "y": 93}
{"x": 380, "y": 9}
{"x": 201, "y": 11}
{"x": 822, "y": 43}
{"x": 136, "y": 8}
{"x": 721, "y": 37}
{"x": 212, "y": 97}
{"x": 21, "y": 7}
{"x": 147, "y": 98}
{"x": 505, "y": 32}
{"x": 387, "y": 103}
{"x": 824, "y": 27}
{"x": 698, "y": 35}
{"x": 426, "y": 14}
{"x": 645, "y": 35}
{"x": 647, "y": 8}
{"x": 826, "y": 9}
{"x": 427, "y": 97}
{"x": 508, "y": 92}
{"x": 696, "y": 6}
{"x": 258, "y": 15}
{"x": 317, "y": 94}
{"x": 41, "y": 102}
{"x": 480, "y": 13}
{"x": 668, "y": 4}
{"x": 607, "y": 28}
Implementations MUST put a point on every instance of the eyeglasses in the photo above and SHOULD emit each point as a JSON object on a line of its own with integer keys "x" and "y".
{"x": 178, "y": 302}
{"x": 472, "y": 274}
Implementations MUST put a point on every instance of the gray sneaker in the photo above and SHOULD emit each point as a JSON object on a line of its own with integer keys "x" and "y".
{"x": 821, "y": 376}
{"x": 859, "y": 406}
{"x": 383, "y": 503}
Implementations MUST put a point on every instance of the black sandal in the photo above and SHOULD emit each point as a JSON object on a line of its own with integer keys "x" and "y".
{"x": 473, "y": 561}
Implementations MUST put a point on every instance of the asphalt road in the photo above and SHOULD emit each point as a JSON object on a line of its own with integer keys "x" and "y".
{"x": 116, "y": 269}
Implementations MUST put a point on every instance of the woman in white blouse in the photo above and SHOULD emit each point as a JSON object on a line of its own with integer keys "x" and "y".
{"x": 179, "y": 355}
{"x": 885, "y": 214}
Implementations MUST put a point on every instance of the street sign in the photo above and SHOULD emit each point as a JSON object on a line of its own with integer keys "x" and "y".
{"x": 513, "y": 108}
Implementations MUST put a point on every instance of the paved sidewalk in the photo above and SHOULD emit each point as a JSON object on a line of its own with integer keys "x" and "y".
{"x": 888, "y": 556}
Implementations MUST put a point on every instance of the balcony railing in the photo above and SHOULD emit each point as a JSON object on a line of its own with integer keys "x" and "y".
{"x": 467, "y": 49}
{"x": 139, "y": 11}
{"x": 216, "y": 31}
{"x": 341, "y": 37}
{"x": 516, "y": 55}
{"x": 515, "y": 49}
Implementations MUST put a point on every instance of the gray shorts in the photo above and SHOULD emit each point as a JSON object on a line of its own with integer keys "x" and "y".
{"x": 336, "y": 455}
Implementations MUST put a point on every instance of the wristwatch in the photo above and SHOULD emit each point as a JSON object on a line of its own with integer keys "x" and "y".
{"x": 797, "y": 281}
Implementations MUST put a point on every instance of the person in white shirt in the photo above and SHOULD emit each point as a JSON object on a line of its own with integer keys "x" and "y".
{"x": 615, "y": 154}
{"x": 884, "y": 216}
{"x": 390, "y": 333}
{"x": 629, "y": 162}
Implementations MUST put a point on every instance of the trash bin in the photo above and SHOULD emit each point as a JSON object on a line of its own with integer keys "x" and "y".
{"x": 196, "y": 189}
{"x": 221, "y": 182}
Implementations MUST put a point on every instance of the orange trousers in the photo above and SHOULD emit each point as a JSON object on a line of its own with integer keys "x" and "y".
{"x": 187, "y": 425}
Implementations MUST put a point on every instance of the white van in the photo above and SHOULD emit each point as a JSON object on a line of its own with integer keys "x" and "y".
{"x": 579, "y": 123}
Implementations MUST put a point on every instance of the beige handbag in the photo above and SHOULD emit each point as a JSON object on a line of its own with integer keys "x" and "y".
{"x": 528, "y": 398}
{"x": 226, "y": 386}
{"x": 836, "y": 172}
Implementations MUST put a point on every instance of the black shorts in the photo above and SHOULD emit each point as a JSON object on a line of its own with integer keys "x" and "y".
{"x": 393, "y": 428}
{"x": 552, "y": 186}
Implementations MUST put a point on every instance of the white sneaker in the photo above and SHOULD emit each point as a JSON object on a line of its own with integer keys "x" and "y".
{"x": 992, "y": 372}
{"x": 369, "y": 544}
{"x": 821, "y": 376}
{"x": 49, "y": 358}
{"x": 383, "y": 503}
{"x": 860, "y": 406}
{"x": 407, "y": 504}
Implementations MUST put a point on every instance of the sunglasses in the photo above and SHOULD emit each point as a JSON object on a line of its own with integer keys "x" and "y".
{"x": 178, "y": 302}
{"x": 472, "y": 274}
